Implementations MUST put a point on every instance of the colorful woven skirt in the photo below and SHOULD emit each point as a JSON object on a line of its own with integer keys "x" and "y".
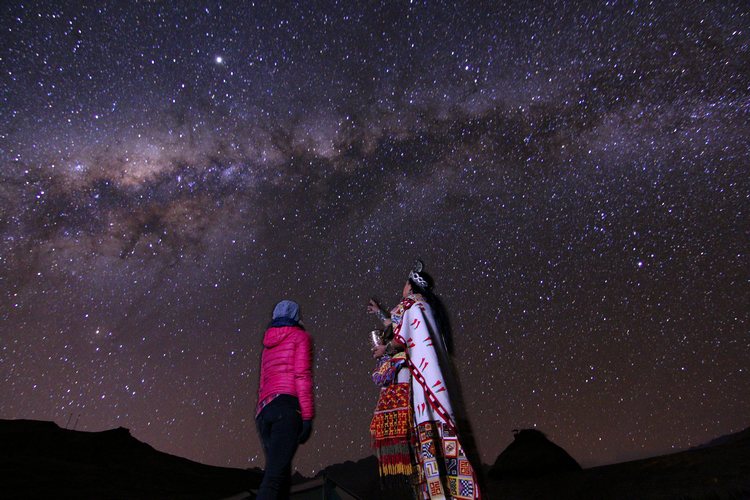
{"x": 443, "y": 471}
{"x": 390, "y": 430}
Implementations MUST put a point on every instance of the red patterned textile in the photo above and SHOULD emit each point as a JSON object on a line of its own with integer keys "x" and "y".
{"x": 390, "y": 428}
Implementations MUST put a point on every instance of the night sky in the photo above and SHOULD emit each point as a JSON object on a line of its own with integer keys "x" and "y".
{"x": 576, "y": 179}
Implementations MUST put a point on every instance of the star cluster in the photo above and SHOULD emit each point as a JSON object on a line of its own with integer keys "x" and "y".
{"x": 573, "y": 174}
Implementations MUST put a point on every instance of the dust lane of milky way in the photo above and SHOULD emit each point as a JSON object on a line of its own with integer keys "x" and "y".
{"x": 574, "y": 177}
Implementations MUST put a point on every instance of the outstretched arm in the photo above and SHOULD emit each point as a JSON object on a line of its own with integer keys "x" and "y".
{"x": 374, "y": 308}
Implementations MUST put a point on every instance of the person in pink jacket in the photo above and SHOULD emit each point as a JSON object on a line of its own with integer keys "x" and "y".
{"x": 285, "y": 408}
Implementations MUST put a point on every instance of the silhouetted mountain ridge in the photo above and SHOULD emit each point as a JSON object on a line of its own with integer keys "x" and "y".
{"x": 359, "y": 477}
{"x": 718, "y": 470}
{"x": 727, "y": 439}
{"x": 532, "y": 454}
{"x": 42, "y": 460}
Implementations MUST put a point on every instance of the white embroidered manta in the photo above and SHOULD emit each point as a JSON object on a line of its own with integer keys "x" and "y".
{"x": 418, "y": 332}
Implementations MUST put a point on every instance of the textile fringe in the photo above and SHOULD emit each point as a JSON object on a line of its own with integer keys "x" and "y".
{"x": 394, "y": 457}
{"x": 390, "y": 429}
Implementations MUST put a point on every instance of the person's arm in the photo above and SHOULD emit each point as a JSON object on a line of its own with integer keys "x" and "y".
{"x": 303, "y": 379}
{"x": 374, "y": 308}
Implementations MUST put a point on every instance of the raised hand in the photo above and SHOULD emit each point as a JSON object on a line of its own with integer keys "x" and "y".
{"x": 373, "y": 307}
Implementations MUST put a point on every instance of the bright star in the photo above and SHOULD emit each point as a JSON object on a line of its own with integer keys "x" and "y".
{"x": 219, "y": 59}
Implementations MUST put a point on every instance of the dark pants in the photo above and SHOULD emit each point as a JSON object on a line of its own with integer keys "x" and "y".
{"x": 279, "y": 426}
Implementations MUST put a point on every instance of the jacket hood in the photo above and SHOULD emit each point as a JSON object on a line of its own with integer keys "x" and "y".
{"x": 277, "y": 334}
{"x": 286, "y": 309}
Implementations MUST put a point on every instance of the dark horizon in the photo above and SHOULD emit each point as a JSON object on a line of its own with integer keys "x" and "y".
{"x": 715, "y": 441}
{"x": 575, "y": 177}
{"x": 44, "y": 460}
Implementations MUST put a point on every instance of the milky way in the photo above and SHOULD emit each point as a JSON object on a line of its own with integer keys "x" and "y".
{"x": 575, "y": 178}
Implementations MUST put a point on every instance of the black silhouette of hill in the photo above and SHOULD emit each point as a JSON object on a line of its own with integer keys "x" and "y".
{"x": 728, "y": 439}
{"x": 360, "y": 478}
{"x": 41, "y": 460}
{"x": 531, "y": 454}
{"x": 717, "y": 470}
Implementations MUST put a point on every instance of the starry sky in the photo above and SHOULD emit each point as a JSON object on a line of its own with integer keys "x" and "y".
{"x": 573, "y": 174}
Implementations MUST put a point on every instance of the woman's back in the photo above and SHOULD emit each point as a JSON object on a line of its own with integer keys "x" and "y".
{"x": 286, "y": 367}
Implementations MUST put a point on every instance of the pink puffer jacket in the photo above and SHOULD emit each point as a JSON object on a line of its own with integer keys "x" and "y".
{"x": 286, "y": 366}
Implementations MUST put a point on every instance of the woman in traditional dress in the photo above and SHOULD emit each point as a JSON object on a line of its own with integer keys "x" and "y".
{"x": 392, "y": 422}
{"x": 442, "y": 468}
